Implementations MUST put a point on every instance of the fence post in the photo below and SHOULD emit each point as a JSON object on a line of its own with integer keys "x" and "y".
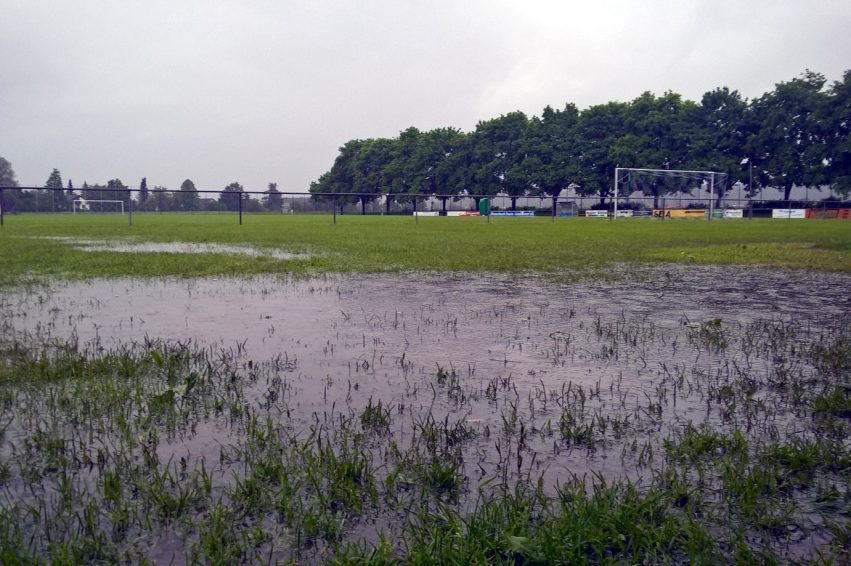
{"x": 334, "y": 208}
{"x": 240, "y": 208}
{"x": 2, "y": 208}
{"x": 555, "y": 206}
{"x": 416, "y": 217}
{"x": 130, "y": 209}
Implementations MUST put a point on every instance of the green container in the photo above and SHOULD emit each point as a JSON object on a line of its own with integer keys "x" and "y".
{"x": 485, "y": 206}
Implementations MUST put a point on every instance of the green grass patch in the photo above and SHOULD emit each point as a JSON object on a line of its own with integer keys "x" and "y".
{"x": 374, "y": 244}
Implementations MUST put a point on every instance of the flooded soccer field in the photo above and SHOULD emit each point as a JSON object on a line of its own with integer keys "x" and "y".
{"x": 673, "y": 413}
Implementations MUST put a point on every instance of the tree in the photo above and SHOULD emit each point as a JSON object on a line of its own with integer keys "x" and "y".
{"x": 231, "y": 196}
{"x": 143, "y": 192}
{"x": 551, "y": 150}
{"x": 658, "y": 136}
{"x": 188, "y": 198}
{"x": 400, "y": 176}
{"x": 434, "y": 161}
{"x": 116, "y": 190}
{"x": 499, "y": 154}
{"x": 788, "y": 148}
{"x": 273, "y": 202}
{"x": 596, "y": 132}
{"x": 836, "y": 131}
{"x": 53, "y": 192}
{"x": 90, "y": 192}
{"x": 71, "y": 195}
{"x": 345, "y": 175}
{"x": 11, "y": 194}
{"x": 162, "y": 199}
{"x": 720, "y": 127}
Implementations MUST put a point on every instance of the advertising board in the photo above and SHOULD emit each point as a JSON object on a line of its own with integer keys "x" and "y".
{"x": 679, "y": 213}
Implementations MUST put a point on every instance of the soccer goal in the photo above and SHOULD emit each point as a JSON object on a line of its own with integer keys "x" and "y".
{"x": 97, "y": 205}
{"x": 663, "y": 182}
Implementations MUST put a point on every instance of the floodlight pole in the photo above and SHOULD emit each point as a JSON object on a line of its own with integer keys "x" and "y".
{"x": 617, "y": 171}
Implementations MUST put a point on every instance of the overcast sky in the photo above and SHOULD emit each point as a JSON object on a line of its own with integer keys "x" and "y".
{"x": 267, "y": 91}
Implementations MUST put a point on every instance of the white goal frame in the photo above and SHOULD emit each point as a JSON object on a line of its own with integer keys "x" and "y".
{"x": 711, "y": 175}
{"x": 85, "y": 204}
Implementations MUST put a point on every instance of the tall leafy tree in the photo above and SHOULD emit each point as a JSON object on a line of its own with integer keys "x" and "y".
{"x": 550, "y": 162}
{"x": 90, "y": 192}
{"x": 719, "y": 129}
{"x": 11, "y": 194}
{"x": 788, "y": 148}
{"x": 597, "y": 130}
{"x": 499, "y": 156}
{"x": 433, "y": 161}
{"x": 658, "y": 136}
{"x": 144, "y": 194}
{"x": 188, "y": 199}
{"x": 231, "y": 196}
{"x": 162, "y": 199}
{"x": 273, "y": 202}
{"x": 400, "y": 173}
{"x": 55, "y": 193}
{"x": 118, "y": 191}
{"x": 836, "y": 128}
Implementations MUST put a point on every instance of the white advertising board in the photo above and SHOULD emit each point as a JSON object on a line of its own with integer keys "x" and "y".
{"x": 733, "y": 213}
{"x": 798, "y": 213}
{"x": 596, "y": 214}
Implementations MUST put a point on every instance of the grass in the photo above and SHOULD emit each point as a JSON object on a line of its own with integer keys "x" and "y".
{"x": 85, "y": 478}
{"x": 375, "y": 244}
{"x": 732, "y": 447}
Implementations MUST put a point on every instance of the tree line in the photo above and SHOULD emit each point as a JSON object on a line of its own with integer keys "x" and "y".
{"x": 57, "y": 197}
{"x": 795, "y": 135}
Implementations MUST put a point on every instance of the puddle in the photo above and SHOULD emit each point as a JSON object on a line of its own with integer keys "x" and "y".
{"x": 124, "y": 246}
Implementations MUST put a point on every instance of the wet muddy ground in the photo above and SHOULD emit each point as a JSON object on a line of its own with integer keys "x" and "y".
{"x": 542, "y": 380}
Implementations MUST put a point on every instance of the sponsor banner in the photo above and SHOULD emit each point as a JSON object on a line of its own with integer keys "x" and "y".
{"x": 513, "y": 213}
{"x": 624, "y": 214}
{"x": 596, "y": 214}
{"x": 679, "y": 213}
{"x": 427, "y": 213}
{"x": 462, "y": 213}
{"x": 567, "y": 213}
{"x": 842, "y": 213}
{"x": 788, "y": 213}
{"x": 734, "y": 213}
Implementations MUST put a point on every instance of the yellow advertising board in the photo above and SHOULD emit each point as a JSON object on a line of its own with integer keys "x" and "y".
{"x": 679, "y": 213}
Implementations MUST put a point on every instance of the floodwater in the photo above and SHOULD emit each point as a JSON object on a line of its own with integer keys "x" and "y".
{"x": 127, "y": 246}
{"x": 647, "y": 351}
{"x": 346, "y": 341}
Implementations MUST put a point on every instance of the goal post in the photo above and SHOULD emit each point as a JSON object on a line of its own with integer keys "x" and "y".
{"x": 713, "y": 179}
{"x": 97, "y": 205}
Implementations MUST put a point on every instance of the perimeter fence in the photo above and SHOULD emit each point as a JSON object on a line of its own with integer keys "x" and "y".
{"x": 93, "y": 203}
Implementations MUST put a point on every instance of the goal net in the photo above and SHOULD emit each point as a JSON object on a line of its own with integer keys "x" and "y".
{"x": 97, "y": 205}
{"x": 703, "y": 189}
